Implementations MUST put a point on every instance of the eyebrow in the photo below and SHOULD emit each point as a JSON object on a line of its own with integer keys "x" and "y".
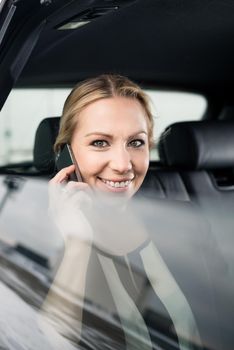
{"x": 111, "y": 136}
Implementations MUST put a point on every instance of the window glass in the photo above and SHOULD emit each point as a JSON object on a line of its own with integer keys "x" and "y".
{"x": 25, "y": 108}
{"x": 169, "y": 107}
{"x": 21, "y": 115}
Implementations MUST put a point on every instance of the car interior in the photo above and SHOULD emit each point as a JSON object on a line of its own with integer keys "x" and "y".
{"x": 167, "y": 45}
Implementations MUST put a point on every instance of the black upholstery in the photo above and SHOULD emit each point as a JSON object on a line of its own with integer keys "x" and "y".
{"x": 210, "y": 145}
{"x": 198, "y": 145}
{"x": 209, "y": 175}
{"x": 165, "y": 184}
{"x": 203, "y": 154}
{"x": 43, "y": 153}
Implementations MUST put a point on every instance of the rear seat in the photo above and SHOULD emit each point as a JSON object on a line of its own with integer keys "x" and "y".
{"x": 203, "y": 154}
{"x": 163, "y": 183}
{"x": 43, "y": 153}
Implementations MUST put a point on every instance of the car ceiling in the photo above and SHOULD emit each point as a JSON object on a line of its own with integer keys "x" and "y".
{"x": 175, "y": 43}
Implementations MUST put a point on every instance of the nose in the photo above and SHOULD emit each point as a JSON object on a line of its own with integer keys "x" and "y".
{"x": 121, "y": 161}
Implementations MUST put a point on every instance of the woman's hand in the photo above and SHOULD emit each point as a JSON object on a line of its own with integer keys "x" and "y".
{"x": 68, "y": 200}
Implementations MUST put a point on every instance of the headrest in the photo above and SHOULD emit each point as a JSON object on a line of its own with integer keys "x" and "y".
{"x": 43, "y": 153}
{"x": 198, "y": 145}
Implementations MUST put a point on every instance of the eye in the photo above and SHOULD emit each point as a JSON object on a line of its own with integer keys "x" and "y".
{"x": 136, "y": 143}
{"x": 99, "y": 143}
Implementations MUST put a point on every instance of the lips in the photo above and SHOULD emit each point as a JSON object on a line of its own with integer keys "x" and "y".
{"x": 123, "y": 184}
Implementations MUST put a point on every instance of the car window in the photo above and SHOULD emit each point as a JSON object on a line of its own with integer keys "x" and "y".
{"x": 29, "y": 106}
{"x": 171, "y": 277}
{"x": 170, "y": 106}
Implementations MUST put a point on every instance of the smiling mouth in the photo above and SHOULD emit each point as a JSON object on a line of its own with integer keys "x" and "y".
{"x": 116, "y": 184}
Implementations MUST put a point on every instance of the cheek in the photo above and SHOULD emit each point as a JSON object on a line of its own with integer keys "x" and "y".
{"x": 89, "y": 163}
{"x": 141, "y": 162}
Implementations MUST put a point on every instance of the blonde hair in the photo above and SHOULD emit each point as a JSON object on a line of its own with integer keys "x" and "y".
{"x": 91, "y": 90}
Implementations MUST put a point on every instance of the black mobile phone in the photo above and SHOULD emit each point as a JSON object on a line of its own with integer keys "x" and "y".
{"x": 66, "y": 158}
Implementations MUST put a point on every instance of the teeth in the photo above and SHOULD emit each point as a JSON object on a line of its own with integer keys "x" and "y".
{"x": 117, "y": 184}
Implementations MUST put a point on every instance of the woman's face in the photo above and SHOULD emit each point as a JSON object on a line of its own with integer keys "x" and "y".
{"x": 111, "y": 145}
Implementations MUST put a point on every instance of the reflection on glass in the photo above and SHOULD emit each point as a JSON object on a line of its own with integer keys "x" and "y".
{"x": 154, "y": 276}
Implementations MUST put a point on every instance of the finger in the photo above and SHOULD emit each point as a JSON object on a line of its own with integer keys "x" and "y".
{"x": 81, "y": 200}
{"x": 78, "y": 194}
{"x": 59, "y": 192}
{"x": 63, "y": 174}
{"x": 74, "y": 185}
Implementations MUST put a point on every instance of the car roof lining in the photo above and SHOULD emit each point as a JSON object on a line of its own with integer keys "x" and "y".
{"x": 165, "y": 43}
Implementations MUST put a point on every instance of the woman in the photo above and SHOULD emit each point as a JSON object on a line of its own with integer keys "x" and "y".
{"x": 109, "y": 126}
